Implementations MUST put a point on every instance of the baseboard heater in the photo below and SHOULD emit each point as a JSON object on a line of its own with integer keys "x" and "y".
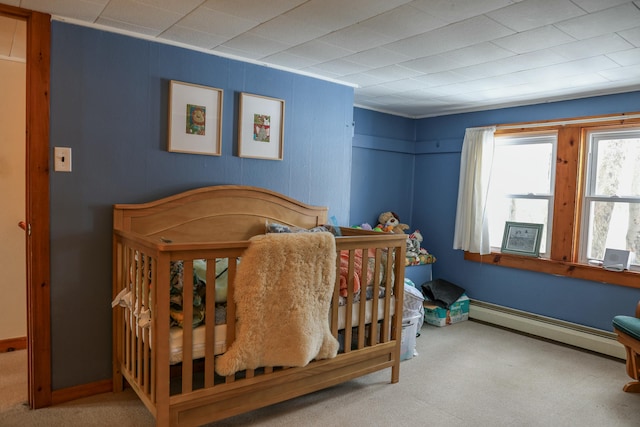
{"x": 592, "y": 339}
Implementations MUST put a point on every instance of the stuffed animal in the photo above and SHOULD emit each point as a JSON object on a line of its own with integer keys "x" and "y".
{"x": 414, "y": 241}
{"x": 390, "y": 223}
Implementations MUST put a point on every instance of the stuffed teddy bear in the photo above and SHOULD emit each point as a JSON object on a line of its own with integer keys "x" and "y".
{"x": 389, "y": 222}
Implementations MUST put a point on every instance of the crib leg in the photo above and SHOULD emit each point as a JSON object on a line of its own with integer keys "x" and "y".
{"x": 117, "y": 381}
{"x": 632, "y": 387}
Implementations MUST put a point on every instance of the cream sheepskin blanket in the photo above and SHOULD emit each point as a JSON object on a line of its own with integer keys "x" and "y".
{"x": 283, "y": 291}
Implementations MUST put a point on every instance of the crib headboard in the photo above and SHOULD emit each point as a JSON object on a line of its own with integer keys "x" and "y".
{"x": 215, "y": 214}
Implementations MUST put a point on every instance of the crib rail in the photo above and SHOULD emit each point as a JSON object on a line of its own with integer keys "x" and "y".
{"x": 141, "y": 350}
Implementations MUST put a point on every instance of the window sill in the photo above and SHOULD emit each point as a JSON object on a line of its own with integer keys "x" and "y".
{"x": 543, "y": 265}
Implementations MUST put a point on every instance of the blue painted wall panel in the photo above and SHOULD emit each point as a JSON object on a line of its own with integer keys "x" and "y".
{"x": 109, "y": 96}
{"x": 382, "y": 177}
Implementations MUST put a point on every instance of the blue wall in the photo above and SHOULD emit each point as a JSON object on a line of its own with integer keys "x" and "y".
{"x": 109, "y": 104}
{"x": 437, "y": 169}
{"x": 382, "y": 176}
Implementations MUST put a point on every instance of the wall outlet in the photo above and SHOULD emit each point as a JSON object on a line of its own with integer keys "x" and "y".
{"x": 62, "y": 159}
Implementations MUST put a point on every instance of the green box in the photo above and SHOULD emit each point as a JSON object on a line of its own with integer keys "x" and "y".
{"x": 438, "y": 316}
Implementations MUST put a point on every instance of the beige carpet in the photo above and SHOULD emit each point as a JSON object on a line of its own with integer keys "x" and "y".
{"x": 466, "y": 374}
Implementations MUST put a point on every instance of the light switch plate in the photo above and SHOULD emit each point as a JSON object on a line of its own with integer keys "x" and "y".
{"x": 62, "y": 159}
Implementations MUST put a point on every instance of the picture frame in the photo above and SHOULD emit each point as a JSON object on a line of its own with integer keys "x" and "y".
{"x": 195, "y": 119}
{"x": 522, "y": 238}
{"x": 260, "y": 127}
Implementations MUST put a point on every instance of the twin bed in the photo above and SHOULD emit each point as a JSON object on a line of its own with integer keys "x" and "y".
{"x": 231, "y": 298}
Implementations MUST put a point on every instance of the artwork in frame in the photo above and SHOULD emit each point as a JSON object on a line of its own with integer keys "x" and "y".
{"x": 521, "y": 238}
{"x": 260, "y": 127}
{"x": 195, "y": 119}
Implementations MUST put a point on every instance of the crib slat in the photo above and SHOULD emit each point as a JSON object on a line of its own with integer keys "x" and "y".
{"x": 375, "y": 301}
{"x": 187, "y": 326}
{"x": 335, "y": 301}
{"x": 153, "y": 337}
{"x": 348, "y": 318}
{"x": 145, "y": 331}
{"x": 364, "y": 282}
{"x": 210, "y": 324}
{"x": 386, "y": 324}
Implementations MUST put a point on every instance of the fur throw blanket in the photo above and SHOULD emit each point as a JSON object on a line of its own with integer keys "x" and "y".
{"x": 283, "y": 291}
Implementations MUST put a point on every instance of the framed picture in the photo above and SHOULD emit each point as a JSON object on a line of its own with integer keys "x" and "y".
{"x": 522, "y": 238}
{"x": 195, "y": 118}
{"x": 260, "y": 127}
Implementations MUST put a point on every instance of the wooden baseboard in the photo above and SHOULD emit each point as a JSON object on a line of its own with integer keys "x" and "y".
{"x": 80, "y": 391}
{"x": 13, "y": 344}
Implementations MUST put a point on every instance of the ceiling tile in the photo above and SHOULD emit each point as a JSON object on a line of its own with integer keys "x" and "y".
{"x": 530, "y": 14}
{"x": 336, "y": 14}
{"x": 361, "y": 79}
{"x": 459, "y": 10}
{"x": 319, "y": 50}
{"x": 256, "y": 46}
{"x": 393, "y": 72}
{"x": 442, "y": 79}
{"x": 189, "y": 36}
{"x": 250, "y": 10}
{"x": 455, "y": 36}
{"x": 137, "y": 14}
{"x": 290, "y": 60}
{"x": 594, "y": 46}
{"x": 84, "y": 10}
{"x": 477, "y": 54}
{"x": 221, "y": 24}
{"x": 182, "y": 6}
{"x": 536, "y": 39}
{"x": 511, "y": 64}
{"x": 631, "y": 35}
{"x": 623, "y": 73}
{"x": 626, "y": 57}
{"x": 597, "y": 5}
{"x": 614, "y": 19}
{"x": 377, "y": 57}
{"x": 340, "y": 67}
{"x": 403, "y": 22}
{"x": 432, "y": 64}
{"x": 125, "y": 26}
{"x": 573, "y": 68}
{"x": 288, "y": 30}
{"x": 356, "y": 38}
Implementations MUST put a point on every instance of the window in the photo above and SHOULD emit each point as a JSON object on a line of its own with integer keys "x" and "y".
{"x": 578, "y": 177}
{"x": 611, "y": 206}
{"x": 522, "y": 184}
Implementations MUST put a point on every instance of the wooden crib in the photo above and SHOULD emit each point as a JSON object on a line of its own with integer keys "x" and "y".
{"x": 213, "y": 224}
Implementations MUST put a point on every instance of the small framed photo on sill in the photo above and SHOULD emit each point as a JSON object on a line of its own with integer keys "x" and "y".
{"x": 195, "y": 119}
{"x": 260, "y": 127}
{"x": 522, "y": 238}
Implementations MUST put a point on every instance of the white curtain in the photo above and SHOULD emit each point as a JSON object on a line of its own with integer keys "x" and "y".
{"x": 472, "y": 225}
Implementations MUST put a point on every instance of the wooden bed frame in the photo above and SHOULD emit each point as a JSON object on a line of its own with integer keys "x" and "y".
{"x": 216, "y": 222}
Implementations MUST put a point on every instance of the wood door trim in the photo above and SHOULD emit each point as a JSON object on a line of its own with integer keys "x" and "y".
{"x": 37, "y": 202}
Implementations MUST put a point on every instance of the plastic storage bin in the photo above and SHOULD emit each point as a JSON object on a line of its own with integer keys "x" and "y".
{"x": 408, "y": 340}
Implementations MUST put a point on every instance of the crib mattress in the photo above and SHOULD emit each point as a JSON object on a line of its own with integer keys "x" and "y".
{"x": 198, "y": 350}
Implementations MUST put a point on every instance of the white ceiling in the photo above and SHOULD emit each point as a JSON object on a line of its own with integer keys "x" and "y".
{"x": 415, "y": 58}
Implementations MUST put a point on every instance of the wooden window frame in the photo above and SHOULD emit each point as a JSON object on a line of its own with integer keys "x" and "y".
{"x": 567, "y": 209}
